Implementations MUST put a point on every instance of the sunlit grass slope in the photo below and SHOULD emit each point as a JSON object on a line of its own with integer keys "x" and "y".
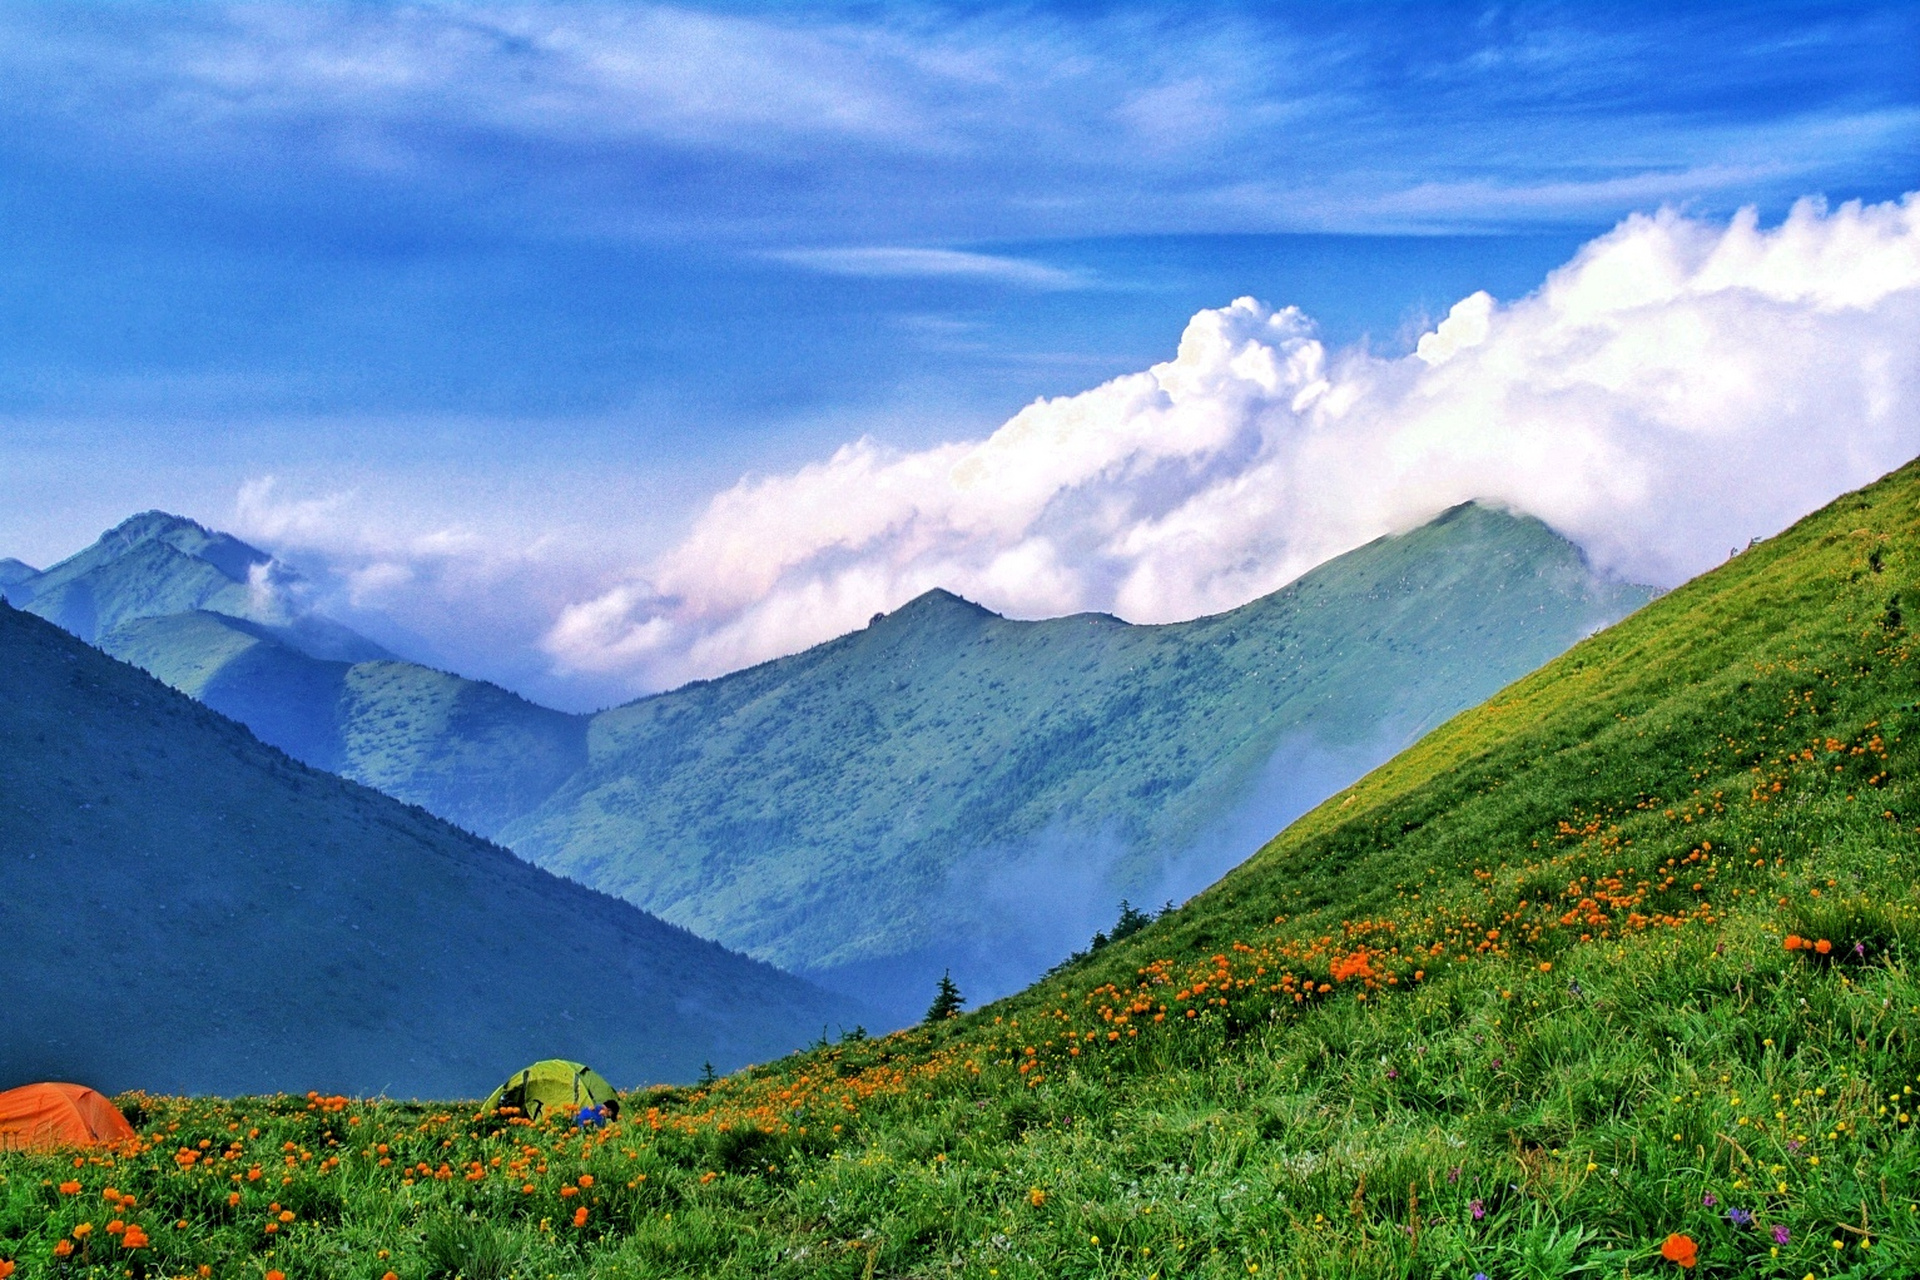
{"x": 1611, "y": 974}
{"x": 183, "y": 907}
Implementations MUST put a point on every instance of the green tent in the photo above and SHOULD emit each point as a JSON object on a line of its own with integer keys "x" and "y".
{"x": 555, "y": 1085}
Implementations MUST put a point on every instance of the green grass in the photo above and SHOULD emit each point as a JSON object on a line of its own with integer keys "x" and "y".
{"x": 1517, "y": 1003}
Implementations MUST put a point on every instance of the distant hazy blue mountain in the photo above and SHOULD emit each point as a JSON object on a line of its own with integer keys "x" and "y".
{"x": 950, "y": 788}
{"x": 188, "y": 910}
{"x": 223, "y": 622}
{"x": 13, "y": 572}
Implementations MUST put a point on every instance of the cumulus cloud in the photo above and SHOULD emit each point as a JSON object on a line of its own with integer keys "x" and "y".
{"x": 1677, "y": 388}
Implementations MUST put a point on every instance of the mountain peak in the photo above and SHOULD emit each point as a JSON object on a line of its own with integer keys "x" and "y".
{"x": 232, "y": 557}
{"x": 14, "y": 571}
{"x": 938, "y": 602}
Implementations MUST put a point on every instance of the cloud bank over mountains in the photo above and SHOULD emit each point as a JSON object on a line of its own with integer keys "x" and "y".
{"x": 1679, "y": 387}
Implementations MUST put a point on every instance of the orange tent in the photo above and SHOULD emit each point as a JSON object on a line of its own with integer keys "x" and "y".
{"x": 37, "y": 1117}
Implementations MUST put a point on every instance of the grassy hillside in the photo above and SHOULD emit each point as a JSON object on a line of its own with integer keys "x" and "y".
{"x": 947, "y": 788}
{"x": 188, "y": 909}
{"x": 199, "y": 609}
{"x": 1613, "y": 970}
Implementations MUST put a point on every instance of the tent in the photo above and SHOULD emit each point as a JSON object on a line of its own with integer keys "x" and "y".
{"x": 555, "y": 1085}
{"x": 38, "y": 1117}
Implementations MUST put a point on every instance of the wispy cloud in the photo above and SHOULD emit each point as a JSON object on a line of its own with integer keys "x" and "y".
{"x": 925, "y": 126}
{"x": 882, "y": 262}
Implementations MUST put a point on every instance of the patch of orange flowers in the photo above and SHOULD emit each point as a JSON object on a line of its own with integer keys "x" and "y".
{"x": 1681, "y": 1251}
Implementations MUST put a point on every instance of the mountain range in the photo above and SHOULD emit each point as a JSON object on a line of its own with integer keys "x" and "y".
{"x": 189, "y": 910}
{"x": 225, "y": 623}
{"x": 945, "y": 789}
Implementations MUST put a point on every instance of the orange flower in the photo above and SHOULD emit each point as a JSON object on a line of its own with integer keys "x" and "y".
{"x": 1794, "y": 942}
{"x": 80, "y": 1232}
{"x": 1036, "y": 1197}
{"x": 1823, "y": 947}
{"x": 580, "y": 1216}
{"x": 586, "y": 1179}
{"x": 276, "y": 1275}
{"x": 115, "y": 1227}
{"x": 135, "y": 1238}
{"x": 62, "y": 1248}
{"x": 1681, "y": 1251}
{"x": 569, "y": 1191}
{"x": 6, "y": 1269}
{"x": 69, "y": 1188}
{"x": 233, "y": 1198}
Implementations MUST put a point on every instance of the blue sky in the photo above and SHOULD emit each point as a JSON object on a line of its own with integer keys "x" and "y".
{"x": 522, "y": 275}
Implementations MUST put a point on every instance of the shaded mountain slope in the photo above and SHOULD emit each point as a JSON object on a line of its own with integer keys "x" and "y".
{"x": 220, "y": 621}
{"x": 188, "y": 909}
{"x": 949, "y": 788}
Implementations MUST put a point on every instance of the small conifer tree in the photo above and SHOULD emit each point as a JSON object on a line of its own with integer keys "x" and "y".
{"x": 947, "y": 1000}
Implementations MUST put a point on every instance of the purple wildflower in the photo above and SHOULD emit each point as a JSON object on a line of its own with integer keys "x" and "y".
{"x": 1793, "y": 1144}
{"x": 1392, "y": 1074}
{"x": 1478, "y": 1209}
{"x": 1860, "y": 949}
{"x": 1709, "y": 1200}
{"x": 1740, "y": 1217}
{"x": 1780, "y": 1233}
{"x": 1453, "y": 1174}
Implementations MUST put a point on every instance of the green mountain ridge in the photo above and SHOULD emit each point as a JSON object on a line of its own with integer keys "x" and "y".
{"x": 944, "y": 789}
{"x": 187, "y": 909}
{"x": 950, "y": 789}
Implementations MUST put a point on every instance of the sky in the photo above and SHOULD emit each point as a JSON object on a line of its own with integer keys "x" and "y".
{"x": 593, "y": 348}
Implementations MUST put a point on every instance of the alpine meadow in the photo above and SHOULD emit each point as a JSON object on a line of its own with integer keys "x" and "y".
{"x": 686, "y": 640}
{"x": 1611, "y": 973}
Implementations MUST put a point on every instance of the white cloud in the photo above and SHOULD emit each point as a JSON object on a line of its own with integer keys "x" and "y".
{"x": 400, "y": 568}
{"x": 1678, "y": 387}
{"x": 886, "y": 262}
